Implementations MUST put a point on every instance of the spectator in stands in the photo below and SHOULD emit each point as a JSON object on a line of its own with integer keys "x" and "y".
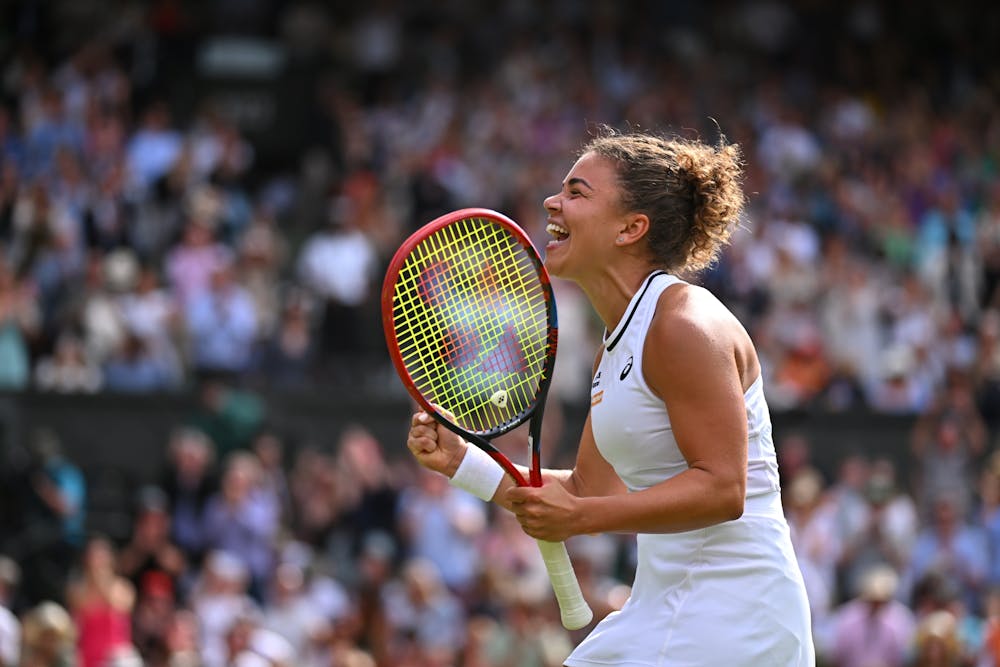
{"x": 150, "y": 312}
{"x": 293, "y": 614}
{"x": 951, "y": 548}
{"x": 441, "y": 524}
{"x": 94, "y": 311}
{"x": 262, "y": 251}
{"x": 155, "y": 608}
{"x": 52, "y": 501}
{"x": 891, "y": 526}
{"x": 154, "y": 147}
{"x": 269, "y": 448}
{"x": 338, "y": 265}
{"x": 191, "y": 263}
{"x": 422, "y": 614}
{"x": 101, "y": 603}
{"x": 316, "y": 496}
{"x": 228, "y": 414}
{"x": 287, "y": 358}
{"x": 189, "y": 480}
{"x": 874, "y": 628}
{"x": 369, "y": 498}
{"x": 222, "y": 324}
{"x": 150, "y": 549}
{"x": 49, "y": 637}
{"x": 242, "y": 519}
{"x": 946, "y": 439}
{"x": 218, "y": 599}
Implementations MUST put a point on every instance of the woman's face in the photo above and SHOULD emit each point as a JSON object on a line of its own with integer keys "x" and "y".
{"x": 582, "y": 218}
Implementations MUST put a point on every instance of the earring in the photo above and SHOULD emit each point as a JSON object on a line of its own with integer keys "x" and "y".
{"x": 621, "y": 239}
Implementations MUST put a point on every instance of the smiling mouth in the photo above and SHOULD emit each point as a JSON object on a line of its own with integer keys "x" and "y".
{"x": 558, "y": 232}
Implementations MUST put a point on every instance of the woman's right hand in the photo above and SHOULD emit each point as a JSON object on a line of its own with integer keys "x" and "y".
{"x": 435, "y": 447}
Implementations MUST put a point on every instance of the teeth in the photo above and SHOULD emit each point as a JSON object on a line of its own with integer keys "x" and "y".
{"x": 556, "y": 230}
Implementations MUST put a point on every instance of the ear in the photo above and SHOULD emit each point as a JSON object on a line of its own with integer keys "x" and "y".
{"x": 632, "y": 229}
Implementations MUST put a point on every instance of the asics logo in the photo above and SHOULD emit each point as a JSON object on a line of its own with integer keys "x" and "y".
{"x": 626, "y": 370}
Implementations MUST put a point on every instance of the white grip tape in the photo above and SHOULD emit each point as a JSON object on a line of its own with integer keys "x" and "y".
{"x": 478, "y": 474}
{"x": 573, "y": 608}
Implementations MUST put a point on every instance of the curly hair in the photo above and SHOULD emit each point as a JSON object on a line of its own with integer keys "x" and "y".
{"x": 691, "y": 192}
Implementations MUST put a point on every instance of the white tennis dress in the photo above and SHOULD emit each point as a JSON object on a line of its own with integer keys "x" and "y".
{"x": 730, "y": 594}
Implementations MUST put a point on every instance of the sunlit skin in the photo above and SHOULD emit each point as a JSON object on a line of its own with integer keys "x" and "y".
{"x": 697, "y": 358}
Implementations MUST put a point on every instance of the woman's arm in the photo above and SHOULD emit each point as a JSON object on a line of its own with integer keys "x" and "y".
{"x": 691, "y": 361}
{"x": 438, "y": 449}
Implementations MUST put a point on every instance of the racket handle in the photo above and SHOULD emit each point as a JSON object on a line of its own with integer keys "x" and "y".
{"x": 573, "y": 609}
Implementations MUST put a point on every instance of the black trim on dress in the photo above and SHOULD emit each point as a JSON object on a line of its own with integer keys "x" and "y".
{"x": 635, "y": 305}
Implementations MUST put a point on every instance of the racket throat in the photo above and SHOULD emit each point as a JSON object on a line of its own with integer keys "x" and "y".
{"x": 535, "y": 472}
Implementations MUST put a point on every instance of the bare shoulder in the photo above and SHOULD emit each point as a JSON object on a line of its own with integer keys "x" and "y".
{"x": 684, "y": 310}
{"x": 692, "y": 330}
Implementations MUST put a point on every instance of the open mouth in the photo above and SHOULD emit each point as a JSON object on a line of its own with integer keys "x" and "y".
{"x": 557, "y": 232}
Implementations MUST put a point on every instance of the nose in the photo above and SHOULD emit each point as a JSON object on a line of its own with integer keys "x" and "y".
{"x": 551, "y": 203}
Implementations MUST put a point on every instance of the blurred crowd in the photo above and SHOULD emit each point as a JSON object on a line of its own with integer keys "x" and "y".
{"x": 149, "y": 246}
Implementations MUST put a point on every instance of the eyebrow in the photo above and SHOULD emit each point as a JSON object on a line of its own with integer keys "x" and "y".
{"x": 577, "y": 180}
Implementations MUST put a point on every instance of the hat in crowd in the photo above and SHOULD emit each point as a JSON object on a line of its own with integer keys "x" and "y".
{"x": 48, "y": 622}
{"x": 805, "y": 487}
{"x": 879, "y": 583}
{"x": 939, "y": 628}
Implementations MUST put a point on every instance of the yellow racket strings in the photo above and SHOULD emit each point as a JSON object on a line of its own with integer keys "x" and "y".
{"x": 471, "y": 322}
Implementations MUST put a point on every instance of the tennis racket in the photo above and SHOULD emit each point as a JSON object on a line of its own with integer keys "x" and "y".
{"x": 470, "y": 322}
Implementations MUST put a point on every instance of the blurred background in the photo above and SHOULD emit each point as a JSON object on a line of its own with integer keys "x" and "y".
{"x": 201, "y": 438}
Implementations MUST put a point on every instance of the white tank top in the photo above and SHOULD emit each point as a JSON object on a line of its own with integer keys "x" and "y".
{"x": 631, "y": 425}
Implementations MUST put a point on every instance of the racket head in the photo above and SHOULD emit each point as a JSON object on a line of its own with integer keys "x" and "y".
{"x": 470, "y": 321}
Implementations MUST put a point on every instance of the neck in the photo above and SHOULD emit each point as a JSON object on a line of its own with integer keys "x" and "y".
{"x": 611, "y": 293}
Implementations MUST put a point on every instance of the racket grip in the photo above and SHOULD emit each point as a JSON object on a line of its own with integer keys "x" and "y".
{"x": 573, "y": 609}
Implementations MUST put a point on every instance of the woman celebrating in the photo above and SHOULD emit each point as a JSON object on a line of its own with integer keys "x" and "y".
{"x": 677, "y": 447}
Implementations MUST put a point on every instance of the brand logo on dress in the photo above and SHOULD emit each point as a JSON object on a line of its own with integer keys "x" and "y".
{"x": 626, "y": 370}
{"x": 597, "y": 380}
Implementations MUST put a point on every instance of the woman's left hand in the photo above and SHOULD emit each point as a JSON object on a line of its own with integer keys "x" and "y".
{"x": 548, "y": 512}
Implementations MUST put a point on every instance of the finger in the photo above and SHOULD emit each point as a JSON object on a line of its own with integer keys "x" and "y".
{"x": 420, "y": 418}
{"x": 421, "y": 445}
{"x": 428, "y": 432}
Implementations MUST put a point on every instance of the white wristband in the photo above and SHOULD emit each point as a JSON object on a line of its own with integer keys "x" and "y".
{"x": 478, "y": 474}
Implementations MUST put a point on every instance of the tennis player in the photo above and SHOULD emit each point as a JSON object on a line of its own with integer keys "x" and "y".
{"x": 677, "y": 446}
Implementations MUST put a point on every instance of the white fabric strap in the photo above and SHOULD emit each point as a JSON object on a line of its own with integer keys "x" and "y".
{"x": 478, "y": 474}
